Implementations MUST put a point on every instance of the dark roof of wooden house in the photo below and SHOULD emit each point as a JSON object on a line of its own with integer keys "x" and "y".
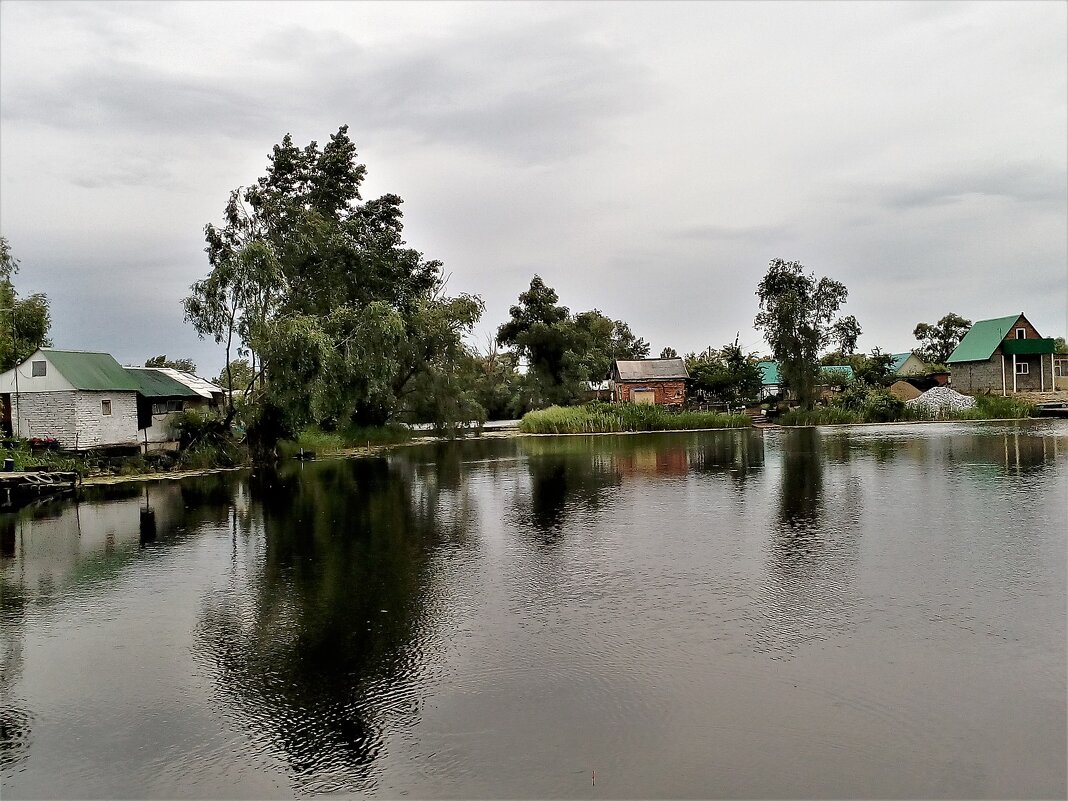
{"x": 650, "y": 370}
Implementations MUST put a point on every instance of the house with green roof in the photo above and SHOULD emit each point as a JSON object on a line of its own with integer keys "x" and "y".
{"x": 769, "y": 379}
{"x": 771, "y": 383}
{"x": 1005, "y": 354}
{"x": 82, "y": 400}
{"x": 85, "y": 400}
{"x": 907, "y": 364}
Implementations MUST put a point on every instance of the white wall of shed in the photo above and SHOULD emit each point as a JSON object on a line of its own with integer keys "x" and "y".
{"x": 51, "y": 381}
{"x": 95, "y": 429}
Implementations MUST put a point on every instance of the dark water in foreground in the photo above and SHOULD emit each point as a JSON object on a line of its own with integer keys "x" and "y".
{"x": 873, "y": 612}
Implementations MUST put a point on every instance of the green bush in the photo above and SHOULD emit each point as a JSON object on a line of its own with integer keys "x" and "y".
{"x": 882, "y": 407}
{"x": 599, "y": 417}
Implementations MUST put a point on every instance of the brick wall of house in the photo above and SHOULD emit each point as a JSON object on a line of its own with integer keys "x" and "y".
{"x": 46, "y": 414}
{"x": 668, "y": 393}
{"x": 972, "y": 377}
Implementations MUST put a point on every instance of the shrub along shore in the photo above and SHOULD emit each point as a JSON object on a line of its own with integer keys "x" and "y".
{"x": 881, "y": 407}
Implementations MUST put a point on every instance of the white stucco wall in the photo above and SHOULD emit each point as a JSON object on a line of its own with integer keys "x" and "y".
{"x": 96, "y": 429}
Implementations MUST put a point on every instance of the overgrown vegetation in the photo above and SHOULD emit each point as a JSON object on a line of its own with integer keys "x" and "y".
{"x": 863, "y": 403}
{"x": 594, "y": 418}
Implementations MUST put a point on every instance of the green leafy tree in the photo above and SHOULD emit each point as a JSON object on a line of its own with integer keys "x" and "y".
{"x": 938, "y": 341}
{"x": 1060, "y": 346}
{"x": 24, "y": 322}
{"x": 669, "y": 353}
{"x": 186, "y": 365}
{"x": 728, "y": 375}
{"x": 339, "y": 318}
{"x": 563, "y": 351}
{"x": 846, "y": 332}
{"x": 542, "y": 334}
{"x": 798, "y": 318}
{"x": 237, "y": 375}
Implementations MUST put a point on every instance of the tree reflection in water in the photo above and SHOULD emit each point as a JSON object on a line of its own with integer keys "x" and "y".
{"x": 807, "y": 591}
{"x": 320, "y": 642}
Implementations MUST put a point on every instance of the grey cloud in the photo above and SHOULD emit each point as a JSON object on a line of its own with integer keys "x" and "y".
{"x": 1021, "y": 182}
{"x": 532, "y": 95}
{"x": 134, "y": 172}
{"x": 733, "y": 233}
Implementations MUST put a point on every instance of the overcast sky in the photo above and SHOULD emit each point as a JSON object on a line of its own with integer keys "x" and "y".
{"x": 645, "y": 159}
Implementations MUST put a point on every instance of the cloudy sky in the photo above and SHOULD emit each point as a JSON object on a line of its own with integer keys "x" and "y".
{"x": 646, "y": 159}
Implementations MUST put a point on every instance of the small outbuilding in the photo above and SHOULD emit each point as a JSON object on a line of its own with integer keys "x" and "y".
{"x": 907, "y": 364}
{"x": 160, "y": 397}
{"x": 654, "y": 381}
{"x": 770, "y": 383}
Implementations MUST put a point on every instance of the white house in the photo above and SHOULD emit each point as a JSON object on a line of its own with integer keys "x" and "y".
{"x": 88, "y": 400}
{"x": 82, "y": 400}
{"x": 907, "y": 364}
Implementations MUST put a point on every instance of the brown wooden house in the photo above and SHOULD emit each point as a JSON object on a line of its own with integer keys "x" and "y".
{"x": 659, "y": 381}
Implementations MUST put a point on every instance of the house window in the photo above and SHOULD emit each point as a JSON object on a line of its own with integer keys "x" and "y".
{"x": 1021, "y": 368}
{"x": 174, "y": 405}
{"x": 159, "y": 408}
{"x": 1060, "y": 367}
{"x": 38, "y": 368}
{"x": 1021, "y": 333}
{"x": 105, "y": 408}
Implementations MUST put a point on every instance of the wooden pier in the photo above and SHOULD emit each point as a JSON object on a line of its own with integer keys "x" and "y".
{"x": 20, "y": 487}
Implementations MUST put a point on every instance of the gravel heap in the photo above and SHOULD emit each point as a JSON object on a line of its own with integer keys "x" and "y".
{"x": 942, "y": 399}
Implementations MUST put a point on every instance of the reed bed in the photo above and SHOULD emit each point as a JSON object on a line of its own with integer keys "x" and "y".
{"x": 622, "y": 417}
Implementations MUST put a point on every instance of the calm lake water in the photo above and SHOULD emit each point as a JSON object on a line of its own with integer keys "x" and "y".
{"x": 864, "y": 612}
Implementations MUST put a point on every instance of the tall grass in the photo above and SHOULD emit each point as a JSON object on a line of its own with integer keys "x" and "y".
{"x": 598, "y": 418}
{"x": 995, "y": 407}
{"x": 321, "y": 442}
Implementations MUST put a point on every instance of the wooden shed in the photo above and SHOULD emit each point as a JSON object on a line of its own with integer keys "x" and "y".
{"x": 659, "y": 381}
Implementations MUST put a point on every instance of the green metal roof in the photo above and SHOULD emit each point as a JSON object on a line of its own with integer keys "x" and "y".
{"x": 982, "y": 340}
{"x": 769, "y": 372}
{"x": 90, "y": 371}
{"x": 157, "y": 384}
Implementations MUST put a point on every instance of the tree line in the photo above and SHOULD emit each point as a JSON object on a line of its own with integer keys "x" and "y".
{"x": 329, "y": 318}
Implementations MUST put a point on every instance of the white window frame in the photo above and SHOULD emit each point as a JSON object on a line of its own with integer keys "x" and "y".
{"x": 1021, "y": 333}
{"x": 1023, "y": 368}
{"x": 43, "y": 365}
{"x": 105, "y": 407}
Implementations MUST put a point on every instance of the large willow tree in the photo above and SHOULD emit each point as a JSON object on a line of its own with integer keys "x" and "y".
{"x": 338, "y": 316}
